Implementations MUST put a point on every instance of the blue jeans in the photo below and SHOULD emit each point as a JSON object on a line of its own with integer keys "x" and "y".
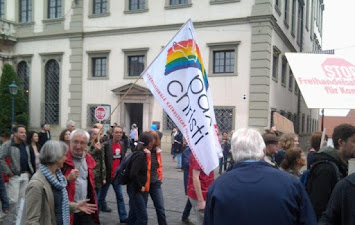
{"x": 119, "y": 199}
{"x": 157, "y": 196}
{"x": 178, "y": 156}
{"x": 137, "y": 207}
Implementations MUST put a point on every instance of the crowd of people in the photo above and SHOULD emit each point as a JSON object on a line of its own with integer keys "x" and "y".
{"x": 67, "y": 181}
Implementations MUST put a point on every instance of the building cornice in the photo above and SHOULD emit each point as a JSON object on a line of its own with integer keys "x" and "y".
{"x": 166, "y": 27}
{"x": 132, "y": 30}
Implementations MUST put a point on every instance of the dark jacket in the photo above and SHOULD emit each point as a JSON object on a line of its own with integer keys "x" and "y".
{"x": 3, "y": 195}
{"x": 341, "y": 206}
{"x": 279, "y": 156}
{"x": 274, "y": 196}
{"x": 138, "y": 170}
{"x": 109, "y": 157}
{"x": 178, "y": 143}
{"x": 100, "y": 168}
{"x": 43, "y": 137}
{"x": 323, "y": 178}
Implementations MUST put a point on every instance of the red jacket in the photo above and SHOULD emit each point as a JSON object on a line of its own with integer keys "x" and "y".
{"x": 68, "y": 166}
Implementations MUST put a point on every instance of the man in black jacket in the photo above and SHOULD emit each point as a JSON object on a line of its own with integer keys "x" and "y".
{"x": 115, "y": 151}
{"x": 341, "y": 207}
{"x": 329, "y": 166}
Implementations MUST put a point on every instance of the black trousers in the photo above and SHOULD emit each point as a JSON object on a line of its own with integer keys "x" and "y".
{"x": 83, "y": 219}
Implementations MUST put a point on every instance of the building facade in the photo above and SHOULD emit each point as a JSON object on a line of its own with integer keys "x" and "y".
{"x": 73, "y": 55}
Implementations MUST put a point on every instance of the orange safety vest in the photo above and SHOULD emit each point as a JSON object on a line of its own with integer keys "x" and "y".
{"x": 149, "y": 165}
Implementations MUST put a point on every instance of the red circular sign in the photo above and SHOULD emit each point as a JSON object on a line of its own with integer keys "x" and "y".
{"x": 100, "y": 113}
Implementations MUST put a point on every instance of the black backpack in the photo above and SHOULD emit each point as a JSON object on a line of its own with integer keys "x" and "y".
{"x": 319, "y": 182}
{"x": 122, "y": 172}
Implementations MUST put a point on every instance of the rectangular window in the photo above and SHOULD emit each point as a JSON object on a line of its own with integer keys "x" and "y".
{"x": 99, "y": 66}
{"x": 303, "y": 121}
{"x": 135, "y": 65}
{"x": 307, "y": 13}
{"x": 286, "y": 12}
{"x": 300, "y": 23}
{"x": 100, "y": 6}
{"x": 136, "y": 4}
{"x": 54, "y": 9}
{"x": 308, "y": 125}
{"x": 284, "y": 71}
{"x": 296, "y": 88}
{"x": 2, "y": 8}
{"x": 223, "y": 61}
{"x": 275, "y": 63}
{"x": 277, "y": 3}
{"x": 293, "y": 17}
{"x": 290, "y": 81}
{"x": 178, "y": 2}
{"x": 25, "y": 11}
{"x": 224, "y": 118}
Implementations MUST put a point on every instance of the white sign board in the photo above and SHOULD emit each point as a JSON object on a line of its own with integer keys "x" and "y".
{"x": 325, "y": 81}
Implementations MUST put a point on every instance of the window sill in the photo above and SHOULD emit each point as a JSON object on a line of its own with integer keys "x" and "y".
{"x": 56, "y": 20}
{"x": 290, "y": 89}
{"x": 98, "y": 78}
{"x": 214, "y": 2}
{"x": 99, "y": 15}
{"x": 135, "y": 11}
{"x": 25, "y": 24}
{"x": 132, "y": 77}
{"x": 223, "y": 75}
{"x": 293, "y": 34}
{"x": 178, "y": 6}
{"x": 283, "y": 85}
{"x": 275, "y": 79}
{"x": 286, "y": 24}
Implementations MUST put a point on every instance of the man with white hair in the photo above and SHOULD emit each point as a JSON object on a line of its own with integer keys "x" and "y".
{"x": 70, "y": 125}
{"x": 253, "y": 192}
{"x": 79, "y": 171}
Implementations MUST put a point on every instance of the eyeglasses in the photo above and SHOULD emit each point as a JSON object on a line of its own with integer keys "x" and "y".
{"x": 79, "y": 143}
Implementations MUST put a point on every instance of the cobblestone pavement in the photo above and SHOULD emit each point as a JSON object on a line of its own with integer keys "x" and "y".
{"x": 174, "y": 197}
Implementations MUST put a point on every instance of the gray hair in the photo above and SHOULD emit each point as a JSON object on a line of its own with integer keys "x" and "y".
{"x": 52, "y": 152}
{"x": 79, "y": 132}
{"x": 247, "y": 144}
{"x": 69, "y": 123}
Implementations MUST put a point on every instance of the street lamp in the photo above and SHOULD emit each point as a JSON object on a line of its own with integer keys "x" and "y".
{"x": 13, "y": 88}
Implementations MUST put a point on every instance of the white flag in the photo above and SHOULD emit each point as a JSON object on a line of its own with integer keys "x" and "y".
{"x": 178, "y": 80}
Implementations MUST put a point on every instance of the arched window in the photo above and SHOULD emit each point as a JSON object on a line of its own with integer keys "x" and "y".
{"x": 51, "y": 98}
{"x": 23, "y": 73}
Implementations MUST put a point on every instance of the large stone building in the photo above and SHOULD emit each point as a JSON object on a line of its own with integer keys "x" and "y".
{"x": 73, "y": 55}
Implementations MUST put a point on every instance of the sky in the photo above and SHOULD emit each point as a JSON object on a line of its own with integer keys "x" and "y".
{"x": 339, "y": 33}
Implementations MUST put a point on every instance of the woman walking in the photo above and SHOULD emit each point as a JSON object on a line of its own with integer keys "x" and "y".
{"x": 137, "y": 179}
{"x": 46, "y": 201}
{"x": 155, "y": 177}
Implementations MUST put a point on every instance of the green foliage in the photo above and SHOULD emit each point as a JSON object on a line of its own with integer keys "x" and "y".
{"x": 21, "y": 115}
